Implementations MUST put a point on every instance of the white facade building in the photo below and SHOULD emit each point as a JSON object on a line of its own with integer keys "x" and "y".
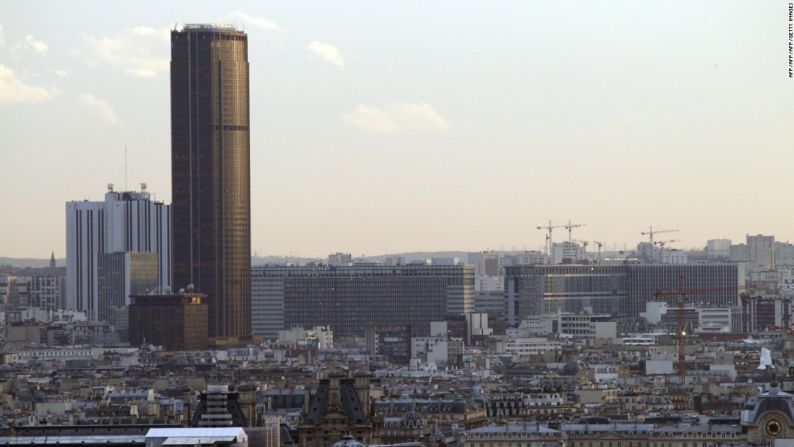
{"x": 654, "y": 311}
{"x": 566, "y": 250}
{"x": 430, "y": 350}
{"x": 123, "y": 222}
{"x": 321, "y": 337}
{"x": 718, "y": 248}
{"x": 715, "y": 319}
{"x": 674, "y": 257}
{"x": 566, "y": 325}
{"x": 528, "y": 346}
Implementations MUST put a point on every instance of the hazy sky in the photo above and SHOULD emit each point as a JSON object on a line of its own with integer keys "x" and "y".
{"x": 414, "y": 125}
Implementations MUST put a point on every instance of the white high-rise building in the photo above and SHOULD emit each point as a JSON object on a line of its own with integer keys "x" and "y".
{"x": 567, "y": 250}
{"x": 124, "y": 222}
{"x": 718, "y": 248}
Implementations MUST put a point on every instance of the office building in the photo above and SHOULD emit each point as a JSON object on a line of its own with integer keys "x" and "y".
{"x": 491, "y": 302}
{"x": 740, "y": 252}
{"x": 267, "y": 301}
{"x": 718, "y": 248}
{"x": 718, "y": 319}
{"x": 351, "y": 298}
{"x": 340, "y": 259}
{"x": 709, "y": 285}
{"x": 176, "y": 322}
{"x": 621, "y": 290}
{"x": 762, "y": 252}
{"x": 763, "y": 313}
{"x": 210, "y": 171}
{"x": 674, "y": 257}
{"x": 44, "y": 287}
{"x": 17, "y": 291}
{"x": 565, "y": 252}
{"x": 581, "y": 326}
{"x": 784, "y": 254}
{"x": 392, "y": 342}
{"x": 120, "y": 275}
{"x": 124, "y": 222}
{"x": 539, "y": 289}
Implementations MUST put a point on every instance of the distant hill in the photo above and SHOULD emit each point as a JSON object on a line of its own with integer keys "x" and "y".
{"x": 279, "y": 260}
{"x": 422, "y": 255}
{"x": 30, "y": 262}
{"x": 262, "y": 260}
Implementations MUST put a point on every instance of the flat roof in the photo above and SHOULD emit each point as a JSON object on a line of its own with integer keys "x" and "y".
{"x": 194, "y": 432}
{"x": 81, "y": 439}
{"x": 209, "y": 27}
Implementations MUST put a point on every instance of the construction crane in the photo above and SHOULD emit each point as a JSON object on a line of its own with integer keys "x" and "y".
{"x": 651, "y": 232}
{"x": 570, "y": 228}
{"x": 599, "y": 245}
{"x": 661, "y": 245}
{"x": 549, "y": 229}
{"x": 682, "y": 294}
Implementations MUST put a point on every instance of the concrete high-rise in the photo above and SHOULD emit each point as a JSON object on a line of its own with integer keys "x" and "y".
{"x": 210, "y": 173}
{"x": 351, "y": 298}
{"x": 124, "y": 222}
{"x": 621, "y": 290}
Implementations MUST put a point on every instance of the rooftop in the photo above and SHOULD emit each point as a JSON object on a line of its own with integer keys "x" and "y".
{"x": 209, "y": 27}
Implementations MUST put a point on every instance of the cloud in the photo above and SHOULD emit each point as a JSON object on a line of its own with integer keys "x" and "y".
{"x": 164, "y": 34}
{"x": 328, "y": 52}
{"x": 396, "y": 117}
{"x": 100, "y": 108}
{"x": 259, "y": 22}
{"x": 2, "y": 36}
{"x": 36, "y": 45}
{"x": 13, "y": 90}
{"x": 62, "y": 72}
{"x": 139, "y": 51}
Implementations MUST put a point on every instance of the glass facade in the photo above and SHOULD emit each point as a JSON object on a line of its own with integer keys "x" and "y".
{"x": 122, "y": 274}
{"x": 211, "y": 173}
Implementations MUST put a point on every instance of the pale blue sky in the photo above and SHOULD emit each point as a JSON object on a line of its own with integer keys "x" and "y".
{"x": 393, "y": 126}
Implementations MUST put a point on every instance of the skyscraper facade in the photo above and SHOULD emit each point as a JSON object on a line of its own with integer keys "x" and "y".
{"x": 210, "y": 172}
{"x": 124, "y": 222}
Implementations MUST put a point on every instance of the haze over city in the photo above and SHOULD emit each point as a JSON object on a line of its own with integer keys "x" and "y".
{"x": 389, "y": 127}
{"x": 396, "y": 224}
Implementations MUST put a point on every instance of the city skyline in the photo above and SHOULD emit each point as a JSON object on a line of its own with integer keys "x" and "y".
{"x": 460, "y": 131}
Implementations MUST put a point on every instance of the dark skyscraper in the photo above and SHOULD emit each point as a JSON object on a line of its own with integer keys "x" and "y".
{"x": 210, "y": 173}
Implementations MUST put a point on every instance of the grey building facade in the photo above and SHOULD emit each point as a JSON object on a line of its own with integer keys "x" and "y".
{"x": 710, "y": 285}
{"x": 352, "y": 298}
{"x": 538, "y": 289}
{"x": 620, "y": 290}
